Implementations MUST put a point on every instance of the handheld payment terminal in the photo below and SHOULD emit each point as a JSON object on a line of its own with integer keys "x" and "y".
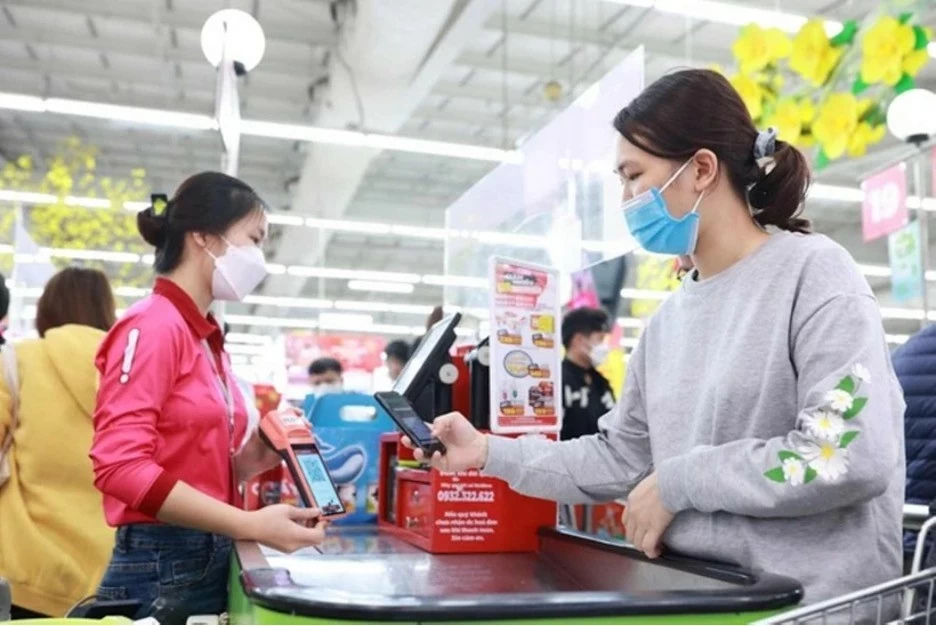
{"x": 409, "y": 422}
{"x": 291, "y": 437}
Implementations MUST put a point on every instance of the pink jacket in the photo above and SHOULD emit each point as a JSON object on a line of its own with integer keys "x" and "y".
{"x": 162, "y": 414}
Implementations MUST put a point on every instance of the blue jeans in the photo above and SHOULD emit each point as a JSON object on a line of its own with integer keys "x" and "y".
{"x": 173, "y": 572}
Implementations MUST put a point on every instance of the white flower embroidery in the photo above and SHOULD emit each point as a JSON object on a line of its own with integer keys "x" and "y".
{"x": 861, "y": 373}
{"x": 825, "y": 425}
{"x": 827, "y": 458}
{"x": 794, "y": 471}
{"x": 840, "y": 400}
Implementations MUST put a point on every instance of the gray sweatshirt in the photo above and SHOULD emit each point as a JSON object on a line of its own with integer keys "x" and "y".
{"x": 764, "y": 399}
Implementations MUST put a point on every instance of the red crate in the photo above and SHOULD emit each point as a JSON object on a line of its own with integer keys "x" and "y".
{"x": 457, "y": 513}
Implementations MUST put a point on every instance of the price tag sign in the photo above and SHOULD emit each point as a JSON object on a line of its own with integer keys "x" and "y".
{"x": 884, "y": 208}
{"x": 906, "y": 264}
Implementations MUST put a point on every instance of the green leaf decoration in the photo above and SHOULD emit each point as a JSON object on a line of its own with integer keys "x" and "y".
{"x": 776, "y": 475}
{"x": 810, "y": 476}
{"x": 788, "y": 454}
{"x": 919, "y": 38}
{"x": 822, "y": 159}
{"x": 846, "y": 35}
{"x": 847, "y": 438}
{"x": 857, "y": 407}
{"x": 905, "y": 17}
{"x": 859, "y": 85}
{"x": 847, "y": 385}
{"x": 904, "y": 84}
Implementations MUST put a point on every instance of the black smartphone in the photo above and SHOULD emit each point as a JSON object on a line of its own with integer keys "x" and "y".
{"x": 409, "y": 423}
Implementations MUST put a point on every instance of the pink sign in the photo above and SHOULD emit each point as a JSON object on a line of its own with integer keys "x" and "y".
{"x": 884, "y": 208}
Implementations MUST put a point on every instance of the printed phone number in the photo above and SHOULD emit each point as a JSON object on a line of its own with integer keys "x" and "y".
{"x": 465, "y": 496}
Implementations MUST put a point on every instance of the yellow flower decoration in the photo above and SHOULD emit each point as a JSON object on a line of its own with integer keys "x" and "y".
{"x": 915, "y": 61}
{"x": 756, "y": 47}
{"x": 863, "y": 137}
{"x": 787, "y": 119}
{"x": 837, "y": 120}
{"x": 883, "y": 49}
{"x": 813, "y": 57}
{"x": 751, "y": 92}
{"x": 807, "y": 111}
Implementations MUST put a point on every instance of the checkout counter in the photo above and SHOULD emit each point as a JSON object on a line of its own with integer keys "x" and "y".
{"x": 375, "y": 574}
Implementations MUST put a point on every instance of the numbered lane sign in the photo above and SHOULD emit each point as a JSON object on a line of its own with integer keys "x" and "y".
{"x": 884, "y": 208}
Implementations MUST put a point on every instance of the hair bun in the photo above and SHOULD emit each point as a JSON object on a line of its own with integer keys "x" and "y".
{"x": 153, "y": 228}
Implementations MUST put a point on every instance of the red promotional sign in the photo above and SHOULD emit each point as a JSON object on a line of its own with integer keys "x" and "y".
{"x": 362, "y": 352}
{"x": 884, "y": 208}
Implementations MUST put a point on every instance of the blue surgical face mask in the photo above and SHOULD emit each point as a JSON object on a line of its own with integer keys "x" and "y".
{"x": 655, "y": 228}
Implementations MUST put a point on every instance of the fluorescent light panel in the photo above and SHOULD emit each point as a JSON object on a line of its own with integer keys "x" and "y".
{"x": 381, "y": 287}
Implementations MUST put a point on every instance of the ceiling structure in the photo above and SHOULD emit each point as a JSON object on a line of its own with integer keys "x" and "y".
{"x": 466, "y": 71}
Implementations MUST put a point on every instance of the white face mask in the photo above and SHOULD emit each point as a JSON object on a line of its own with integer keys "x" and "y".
{"x": 237, "y": 272}
{"x": 323, "y": 389}
{"x": 598, "y": 354}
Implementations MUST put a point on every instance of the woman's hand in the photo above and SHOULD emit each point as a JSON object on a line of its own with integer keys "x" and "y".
{"x": 645, "y": 518}
{"x": 466, "y": 448}
{"x": 286, "y": 528}
{"x": 256, "y": 457}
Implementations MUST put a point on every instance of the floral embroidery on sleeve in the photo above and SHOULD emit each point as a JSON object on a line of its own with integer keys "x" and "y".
{"x": 824, "y": 453}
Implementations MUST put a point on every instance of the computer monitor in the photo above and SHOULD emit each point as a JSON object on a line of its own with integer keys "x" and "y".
{"x": 599, "y": 285}
{"x": 419, "y": 381}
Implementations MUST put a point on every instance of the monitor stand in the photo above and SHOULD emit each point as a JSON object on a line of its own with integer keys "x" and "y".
{"x": 434, "y": 399}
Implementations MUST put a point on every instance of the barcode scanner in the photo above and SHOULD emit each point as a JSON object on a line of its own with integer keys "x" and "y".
{"x": 291, "y": 436}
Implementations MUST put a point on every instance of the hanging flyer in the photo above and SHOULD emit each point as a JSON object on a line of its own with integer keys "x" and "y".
{"x": 526, "y": 358}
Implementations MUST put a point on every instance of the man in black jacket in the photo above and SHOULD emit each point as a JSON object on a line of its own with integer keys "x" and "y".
{"x": 587, "y": 395}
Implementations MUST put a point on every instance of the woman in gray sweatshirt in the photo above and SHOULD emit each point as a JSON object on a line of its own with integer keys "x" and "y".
{"x": 761, "y": 422}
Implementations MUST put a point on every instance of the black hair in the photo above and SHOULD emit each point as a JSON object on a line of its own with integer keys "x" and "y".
{"x": 584, "y": 321}
{"x": 324, "y": 365}
{"x": 399, "y": 350}
{"x": 686, "y": 111}
{"x": 209, "y": 202}
{"x": 4, "y": 298}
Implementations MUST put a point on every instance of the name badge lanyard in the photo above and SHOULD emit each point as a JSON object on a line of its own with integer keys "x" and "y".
{"x": 224, "y": 390}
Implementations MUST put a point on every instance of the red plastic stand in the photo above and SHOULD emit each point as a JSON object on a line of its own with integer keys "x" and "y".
{"x": 456, "y": 513}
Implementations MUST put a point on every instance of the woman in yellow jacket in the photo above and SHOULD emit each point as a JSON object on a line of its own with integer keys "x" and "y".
{"x": 54, "y": 543}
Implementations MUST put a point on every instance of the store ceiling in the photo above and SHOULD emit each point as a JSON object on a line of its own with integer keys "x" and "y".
{"x": 491, "y": 92}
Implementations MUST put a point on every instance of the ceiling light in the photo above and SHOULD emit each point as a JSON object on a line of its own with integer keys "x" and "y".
{"x": 247, "y": 338}
{"x": 287, "y": 302}
{"x": 27, "y": 197}
{"x": 92, "y": 255}
{"x": 419, "y": 232}
{"x": 454, "y": 281}
{"x": 878, "y": 271}
{"x": 630, "y": 322}
{"x": 349, "y": 226}
{"x": 301, "y": 132}
{"x": 897, "y": 339}
{"x": 383, "y": 307}
{"x": 382, "y": 287}
{"x": 819, "y": 191}
{"x": 135, "y": 205}
{"x": 442, "y": 148}
{"x": 274, "y": 322}
{"x": 136, "y": 115}
{"x": 284, "y": 220}
{"x": 629, "y": 342}
{"x": 329, "y": 272}
{"x": 240, "y": 348}
{"x": 275, "y": 268}
{"x": 910, "y": 116}
{"x": 238, "y": 32}
{"x": 730, "y": 13}
{"x": 17, "y": 102}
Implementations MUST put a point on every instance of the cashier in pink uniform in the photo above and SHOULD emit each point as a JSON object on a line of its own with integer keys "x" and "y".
{"x": 170, "y": 443}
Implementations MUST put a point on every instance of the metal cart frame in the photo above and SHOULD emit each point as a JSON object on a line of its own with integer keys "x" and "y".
{"x": 897, "y": 597}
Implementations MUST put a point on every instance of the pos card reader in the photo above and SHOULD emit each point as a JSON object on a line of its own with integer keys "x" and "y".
{"x": 291, "y": 437}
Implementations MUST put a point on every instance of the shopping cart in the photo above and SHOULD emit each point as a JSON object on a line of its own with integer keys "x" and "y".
{"x": 906, "y": 600}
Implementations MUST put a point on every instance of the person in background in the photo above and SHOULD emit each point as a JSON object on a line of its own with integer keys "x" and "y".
{"x": 586, "y": 395}
{"x": 915, "y": 365}
{"x": 4, "y": 308}
{"x": 55, "y": 543}
{"x": 761, "y": 421}
{"x": 396, "y": 354}
{"x": 435, "y": 316}
{"x": 171, "y": 446}
{"x": 326, "y": 376}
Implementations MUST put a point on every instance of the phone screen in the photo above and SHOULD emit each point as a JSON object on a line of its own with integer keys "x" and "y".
{"x": 323, "y": 489}
{"x": 404, "y": 414}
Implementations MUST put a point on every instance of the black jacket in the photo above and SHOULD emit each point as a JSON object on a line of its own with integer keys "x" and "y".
{"x": 586, "y": 396}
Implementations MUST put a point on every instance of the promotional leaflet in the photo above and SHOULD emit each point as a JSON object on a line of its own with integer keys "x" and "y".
{"x": 526, "y": 347}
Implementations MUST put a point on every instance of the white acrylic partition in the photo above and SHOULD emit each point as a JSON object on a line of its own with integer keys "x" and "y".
{"x": 542, "y": 210}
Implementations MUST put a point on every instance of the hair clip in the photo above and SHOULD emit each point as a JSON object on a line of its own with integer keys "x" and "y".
{"x": 160, "y": 202}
